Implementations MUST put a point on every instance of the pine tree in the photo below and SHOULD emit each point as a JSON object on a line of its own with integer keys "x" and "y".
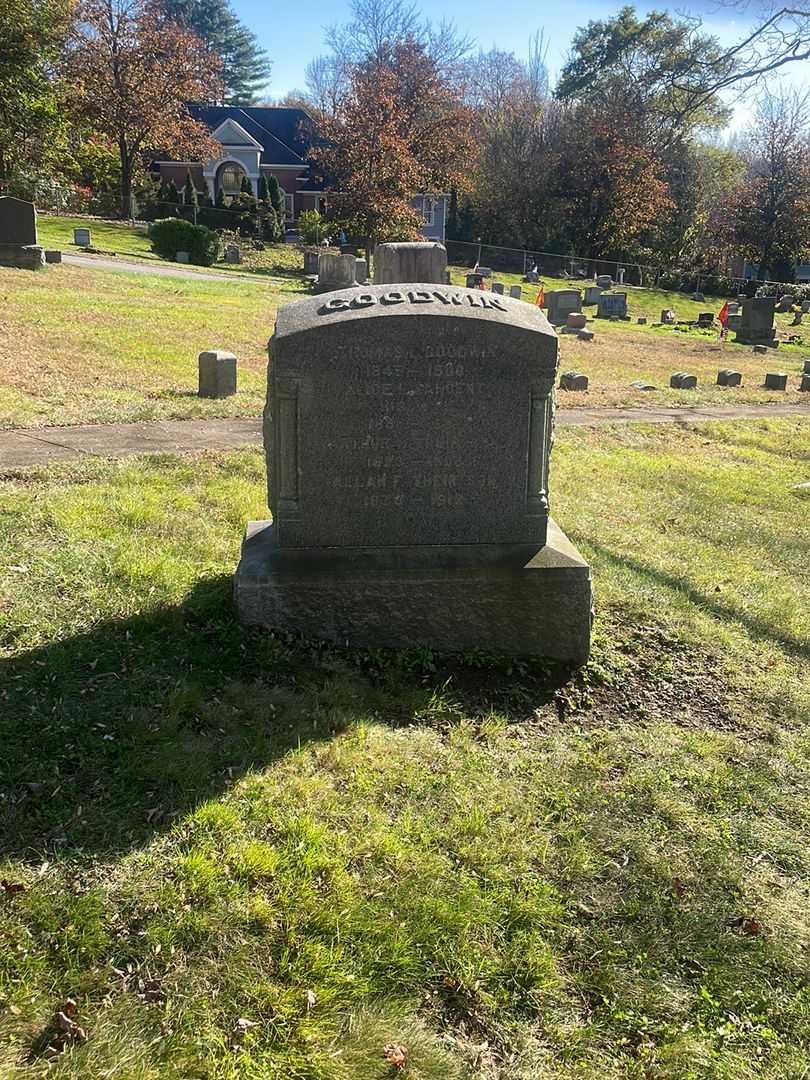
{"x": 173, "y": 195}
{"x": 220, "y": 203}
{"x": 189, "y": 191}
{"x": 246, "y": 186}
{"x": 246, "y": 67}
{"x": 276, "y": 196}
{"x": 263, "y": 189}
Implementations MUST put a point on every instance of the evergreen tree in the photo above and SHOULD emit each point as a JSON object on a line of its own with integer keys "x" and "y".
{"x": 246, "y": 187}
{"x": 189, "y": 191}
{"x": 246, "y": 66}
{"x": 263, "y": 189}
{"x": 276, "y": 197}
{"x": 172, "y": 194}
{"x": 220, "y": 203}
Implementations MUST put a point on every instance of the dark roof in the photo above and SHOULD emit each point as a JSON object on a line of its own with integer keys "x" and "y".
{"x": 285, "y": 134}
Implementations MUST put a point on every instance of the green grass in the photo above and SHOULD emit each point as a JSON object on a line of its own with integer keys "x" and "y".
{"x": 509, "y": 870}
{"x": 281, "y": 264}
{"x": 86, "y": 346}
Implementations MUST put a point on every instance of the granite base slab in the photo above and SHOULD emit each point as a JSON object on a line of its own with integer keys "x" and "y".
{"x": 521, "y": 600}
{"x": 22, "y": 256}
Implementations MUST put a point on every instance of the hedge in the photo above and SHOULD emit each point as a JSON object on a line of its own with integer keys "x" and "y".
{"x": 170, "y": 235}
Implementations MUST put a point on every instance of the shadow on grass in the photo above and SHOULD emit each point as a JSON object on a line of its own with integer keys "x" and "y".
{"x": 759, "y": 629}
{"x": 112, "y": 734}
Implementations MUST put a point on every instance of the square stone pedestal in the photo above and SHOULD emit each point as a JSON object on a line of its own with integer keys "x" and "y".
{"x": 516, "y": 599}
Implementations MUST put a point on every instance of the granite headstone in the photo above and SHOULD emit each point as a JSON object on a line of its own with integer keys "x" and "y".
{"x": 414, "y": 262}
{"x": 407, "y": 434}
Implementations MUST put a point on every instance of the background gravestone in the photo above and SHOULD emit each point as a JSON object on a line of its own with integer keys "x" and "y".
{"x": 756, "y": 323}
{"x": 18, "y": 234}
{"x": 561, "y": 302}
{"x": 612, "y": 304}
{"x": 413, "y": 262}
{"x": 18, "y": 221}
{"x": 336, "y": 272}
{"x": 408, "y": 433}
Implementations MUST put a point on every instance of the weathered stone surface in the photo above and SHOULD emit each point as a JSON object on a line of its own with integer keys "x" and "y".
{"x": 485, "y": 271}
{"x": 805, "y": 306}
{"x": 361, "y": 271}
{"x": 336, "y": 272}
{"x": 756, "y": 327}
{"x": 182, "y": 257}
{"x": 668, "y": 317}
{"x": 698, "y": 297}
{"x": 560, "y": 302}
{"x": 705, "y": 319}
{"x": 806, "y": 367}
{"x": 612, "y": 305}
{"x": 681, "y": 380}
{"x": 641, "y": 385}
{"x": 497, "y": 288}
{"x": 22, "y": 256}
{"x": 776, "y": 380}
{"x": 585, "y": 335}
{"x": 532, "y": 277}
{"x": 217, "y": 374}
{"x": 733, "y": 307}
{"x": 53, "y": 256}
{"x": 604, "y": 281}
{"x": 81, "y": 237}
{"x": 760, "y": 348}
{"x": 642, "y": 320}
{"x": 729, "y": 377}
{"x": 785, "y": 304}
{"x": 516, "y": 292}
{"x": 18, "y": 222}
{"x": 311, "y": 256}
{"x": 573, "y": 380}
{"x": 232, "y": 254}
{"x": 408, "y": 432}
{"x": 592, "y": 294}
{"x": 576, "y": 320}
{"x": 417, "y": 262}
{"x": 734, "y": 322}
{"x": 804, "y": 385}
{"x": 393, "y": 412}
{"x": 473, "y": 280}
{"x": 534, "y": 602}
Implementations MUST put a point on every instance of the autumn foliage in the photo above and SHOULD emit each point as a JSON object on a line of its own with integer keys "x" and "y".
{"x": 132, "y": 74}
{"x": 399, "y": 130}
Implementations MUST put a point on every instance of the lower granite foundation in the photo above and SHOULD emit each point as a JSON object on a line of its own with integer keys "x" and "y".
{"x": 518, "y": 600}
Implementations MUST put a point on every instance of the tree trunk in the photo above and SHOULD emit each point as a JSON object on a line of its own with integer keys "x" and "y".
{"x": 126, "y": 179}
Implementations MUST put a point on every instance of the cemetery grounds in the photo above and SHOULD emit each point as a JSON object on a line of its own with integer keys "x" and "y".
{"x": 226, "y": 853}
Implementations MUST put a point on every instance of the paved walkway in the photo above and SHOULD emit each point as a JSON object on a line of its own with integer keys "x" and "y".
{"x": 100, "y": 262}
{"x": 39, "y": 446}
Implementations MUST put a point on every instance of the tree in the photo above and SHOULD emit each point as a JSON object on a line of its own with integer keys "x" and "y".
{"x": 263, "y": 190}
{"x": 657, "y": 70}
{"x": 245, "y": 66}
{"x": 189, "y": 191}
{"x": 770, "y": 211}
{"x": 32, "y": 33}
{"x": 131, "y": 75}
{"x": 401, "y": 130}
{"x": 246, "y": 187}
{"x": 172, "y": 194}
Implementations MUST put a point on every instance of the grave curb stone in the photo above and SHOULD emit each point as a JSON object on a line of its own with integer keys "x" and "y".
{"x": 775, "y": 380}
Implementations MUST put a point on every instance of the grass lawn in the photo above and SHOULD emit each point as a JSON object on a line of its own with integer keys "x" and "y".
{"x": 281, "y": 264}
{"x": 91, "y": 346}
{"x": 228, "y": 854}
{"x": 86, "y": 346}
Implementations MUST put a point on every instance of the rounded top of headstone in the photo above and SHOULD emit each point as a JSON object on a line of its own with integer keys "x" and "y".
{"x": 419, "y": 300}
{"x": 410, "y": 245}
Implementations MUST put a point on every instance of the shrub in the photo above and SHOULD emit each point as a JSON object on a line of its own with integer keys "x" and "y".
{"x": 170, "y": 235}
{"x": 312, "y": 228}
{"x": 272, "y": 229}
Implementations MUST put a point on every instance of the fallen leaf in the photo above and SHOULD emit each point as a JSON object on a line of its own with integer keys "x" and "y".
{"x": 11, "y": 888}
{"x": 396, "y": 1055}
{"x": 678, "y": 888}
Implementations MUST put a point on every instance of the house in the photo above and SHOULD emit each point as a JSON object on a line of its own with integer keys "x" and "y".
{"x": 272, "y": 140}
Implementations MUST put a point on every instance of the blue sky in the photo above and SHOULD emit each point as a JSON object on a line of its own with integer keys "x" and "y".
{"x": 292, "y": 36}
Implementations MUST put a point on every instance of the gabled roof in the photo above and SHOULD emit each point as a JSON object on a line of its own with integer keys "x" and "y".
{"x": 284, "y": 134}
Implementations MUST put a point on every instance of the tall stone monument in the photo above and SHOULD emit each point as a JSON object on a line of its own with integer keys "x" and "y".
{"x": 408, "y": 432}
{"x": 421, "y": 262}
{"x": 18, "y": 235}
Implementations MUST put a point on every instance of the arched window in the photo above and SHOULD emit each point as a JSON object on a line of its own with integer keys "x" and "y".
{"x": 230, "y": 179}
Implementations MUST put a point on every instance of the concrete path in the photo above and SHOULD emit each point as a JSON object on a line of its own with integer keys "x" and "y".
{"x": 39, "y": 446}
{"x": 100, "y": 262}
